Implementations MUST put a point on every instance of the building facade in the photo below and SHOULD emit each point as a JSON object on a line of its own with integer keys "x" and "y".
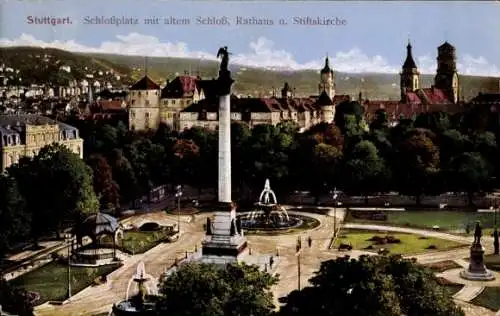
{"x": 25, "y": 135}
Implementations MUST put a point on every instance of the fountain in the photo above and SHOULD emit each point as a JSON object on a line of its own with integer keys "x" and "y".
{"x": 477, "y": 270}
{"x": 143, "y": 302}
{"x": 268, "y": 214}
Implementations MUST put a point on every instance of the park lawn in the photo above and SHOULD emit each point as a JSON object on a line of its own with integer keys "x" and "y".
{"x": 135, "y": 242}
{"x": 410, "y": 244}
{"x": 492, "y": 262}
{"x": 51, "y": 280}
{"x": 489, "y": 298}
{"x": 454, "y": 221}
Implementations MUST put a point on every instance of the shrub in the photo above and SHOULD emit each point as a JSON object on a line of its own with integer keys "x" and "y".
{"x": 432, "y": 247}
{"x": 150, "y": 226}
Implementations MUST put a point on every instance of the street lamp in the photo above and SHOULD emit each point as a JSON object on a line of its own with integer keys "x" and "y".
{"x": 496, "y": 244}
{"x": 335, "y": 195}
{"x": 69, "y": 241}
{"x": 178, "y": 195}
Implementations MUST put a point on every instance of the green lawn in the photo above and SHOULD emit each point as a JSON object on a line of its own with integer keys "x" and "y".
{"x": 489, "y": 298}
{"x": 409, "y": 244}
{"x": 51, "y": 280}
{"x": 139, "y": 242}
{"x": 454, "y": 221}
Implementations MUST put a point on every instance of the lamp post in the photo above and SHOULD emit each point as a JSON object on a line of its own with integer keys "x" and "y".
{"x": 178, "y": 195}
{"x": 69, "y": 240}
{"x": 335, "y": 195}
{"x": 496, "y": 244}
{"x": 298, "y": 250}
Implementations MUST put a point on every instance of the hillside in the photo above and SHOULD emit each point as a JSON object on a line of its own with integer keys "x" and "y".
{"x": 254, "y": 81}
{"x": 37, "y": 65}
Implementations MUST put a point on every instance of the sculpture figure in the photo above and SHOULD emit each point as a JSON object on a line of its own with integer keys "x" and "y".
{"x": 209, "y": 226}
{"x": 224, "y": 54}
{"x": 477, "y": 234}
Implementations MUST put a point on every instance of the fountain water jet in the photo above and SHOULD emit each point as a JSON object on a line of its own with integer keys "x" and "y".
{"x": 140, "y": 303}
{"x": 268, "y": 213}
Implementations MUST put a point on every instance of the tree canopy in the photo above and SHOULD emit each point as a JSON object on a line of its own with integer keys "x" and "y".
{"x": 371, "y": 286}
{"x": 210, "y": 290}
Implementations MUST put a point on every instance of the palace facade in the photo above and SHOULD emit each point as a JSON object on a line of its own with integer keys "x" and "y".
{"x": 24, "y": 135}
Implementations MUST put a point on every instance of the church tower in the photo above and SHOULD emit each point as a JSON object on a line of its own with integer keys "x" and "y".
{"x": 446, "y": 76}
{"x": 410, "y": 77}
{"x": 327, "y": 80}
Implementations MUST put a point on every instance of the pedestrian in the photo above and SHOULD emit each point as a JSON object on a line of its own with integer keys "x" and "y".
{"x": 271, "y": 261}
{"x": 310, "y": 241}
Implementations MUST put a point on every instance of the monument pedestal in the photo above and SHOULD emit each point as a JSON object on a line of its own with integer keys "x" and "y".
{"x": 226, "y": 243}
{"x": 477, "y": 270}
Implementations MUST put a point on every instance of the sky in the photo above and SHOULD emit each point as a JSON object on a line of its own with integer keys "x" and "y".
{"x": 373, "y": 39}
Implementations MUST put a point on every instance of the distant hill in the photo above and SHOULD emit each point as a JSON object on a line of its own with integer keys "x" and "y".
{"x": 38, "y": 65}
{"x": 254, "y": 81}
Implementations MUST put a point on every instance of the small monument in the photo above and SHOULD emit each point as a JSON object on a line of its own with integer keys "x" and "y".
{"x": 477, "y": 270}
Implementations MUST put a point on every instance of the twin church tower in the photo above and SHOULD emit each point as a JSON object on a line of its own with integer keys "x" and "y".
{"x": 446, "y": 78}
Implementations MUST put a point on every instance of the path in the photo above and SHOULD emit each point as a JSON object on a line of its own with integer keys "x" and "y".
{"x": 100, "y": 298}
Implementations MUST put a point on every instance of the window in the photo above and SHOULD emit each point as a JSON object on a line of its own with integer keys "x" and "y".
{"x": 133, "y": 101}
{"x": 173, "y": 101}
{"x": 132, "y": 113}
{"x": 146, "y": 115}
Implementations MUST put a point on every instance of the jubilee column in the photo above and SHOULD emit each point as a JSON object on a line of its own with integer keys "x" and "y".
{"x": 224, "y": 83}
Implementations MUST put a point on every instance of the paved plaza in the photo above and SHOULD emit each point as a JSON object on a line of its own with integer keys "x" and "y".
{"x": 99, "y": 299}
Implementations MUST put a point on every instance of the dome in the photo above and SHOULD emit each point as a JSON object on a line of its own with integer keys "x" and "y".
{"x": 99, "y": 224}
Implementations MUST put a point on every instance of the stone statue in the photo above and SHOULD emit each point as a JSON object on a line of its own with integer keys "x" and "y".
{"x": 209, "y": 226}
{"x": 224, "y": 54}
{"x": 477, "y": 234}
{"x": 233, "y": 228}
{"x": 238, "y": 226}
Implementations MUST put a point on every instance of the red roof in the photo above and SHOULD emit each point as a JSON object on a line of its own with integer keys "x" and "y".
{"x": 412, "y": 97}
{"x": 110, "y": 105}
{"x": 181, "y": 87}
{"x": 394, "y": 109}
{"x": 433, "y": 96}
{"x": 145, "y": 84}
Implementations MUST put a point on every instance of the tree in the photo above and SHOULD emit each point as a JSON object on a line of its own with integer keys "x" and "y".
{"x": 418, "y": 162}
{"x": 57, "y": 186}
{"x": 105, "y": 187}
{"x": 363, "y": 168}
{"x": 468, "y": 172}
{"x": 371, "y": 286}
{"x": 15, "y": 220}
{"x": 209, "y": 290}
{"x": 124, "y": 175}
{"x": 16, "y": 301}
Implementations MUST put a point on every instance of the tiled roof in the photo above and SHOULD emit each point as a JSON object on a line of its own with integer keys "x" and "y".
{"x": 145, "y": 84}
{"x": 110, "y": 105}
{"x": 180, "y": 87}
{"x": 433, "y": 96}
{"x": 412, "y": 97}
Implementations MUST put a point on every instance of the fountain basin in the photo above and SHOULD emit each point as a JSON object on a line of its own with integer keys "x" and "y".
{"x": 129, "y": 308}
{"x": 257, "y": 223}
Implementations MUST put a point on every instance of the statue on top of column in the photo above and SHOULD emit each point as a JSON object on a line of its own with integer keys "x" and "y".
{"x": 224, "y": 54}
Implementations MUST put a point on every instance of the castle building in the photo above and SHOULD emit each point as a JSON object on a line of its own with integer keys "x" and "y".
{"x": 144, "y": 105}
{"x": 25, "y": 135}
{"x": 442, "y": 96}
{"x": 305, "y": 111}
{"x": 149, "y": 104}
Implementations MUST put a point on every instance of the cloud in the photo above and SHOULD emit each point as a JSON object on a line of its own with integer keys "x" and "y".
{"x": 261, "y": 53}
